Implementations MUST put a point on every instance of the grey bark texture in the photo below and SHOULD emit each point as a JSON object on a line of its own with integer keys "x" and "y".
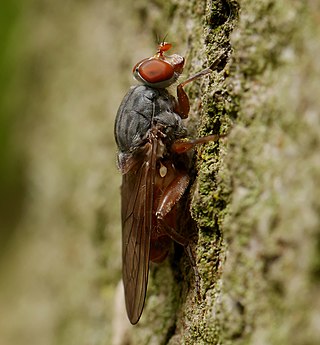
{"x": 255, "y": 196}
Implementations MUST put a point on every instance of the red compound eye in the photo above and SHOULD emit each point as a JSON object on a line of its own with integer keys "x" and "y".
{"x": 155, "y": 71}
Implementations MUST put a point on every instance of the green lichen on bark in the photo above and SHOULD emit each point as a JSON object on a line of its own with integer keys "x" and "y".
{"x": 259, "y": 177}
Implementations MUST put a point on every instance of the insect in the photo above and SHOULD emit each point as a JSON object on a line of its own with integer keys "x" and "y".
{"x": 153, "y": 160}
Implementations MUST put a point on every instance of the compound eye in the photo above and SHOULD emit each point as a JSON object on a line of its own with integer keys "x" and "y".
{"x": 155, "y": 71}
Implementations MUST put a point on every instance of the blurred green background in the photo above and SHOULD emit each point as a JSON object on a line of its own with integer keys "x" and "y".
{"x": 64, "y": 68}
{"x": 11, "y": 168}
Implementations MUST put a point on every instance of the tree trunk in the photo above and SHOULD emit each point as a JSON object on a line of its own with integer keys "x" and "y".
{"x": 255, "y": 194}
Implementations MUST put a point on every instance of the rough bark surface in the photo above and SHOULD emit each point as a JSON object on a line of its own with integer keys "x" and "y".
{"x": 256, "y": 195}
{"x": 254, "y": 199}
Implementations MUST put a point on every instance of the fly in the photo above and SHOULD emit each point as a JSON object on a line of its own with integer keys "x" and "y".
{"x": 153, "y": 161}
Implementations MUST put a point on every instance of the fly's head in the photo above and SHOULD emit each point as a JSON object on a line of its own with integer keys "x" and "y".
{"x": 160, "y": 70}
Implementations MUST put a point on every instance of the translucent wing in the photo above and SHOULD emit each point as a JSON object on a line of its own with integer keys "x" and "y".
{"x": 136, "y": 212}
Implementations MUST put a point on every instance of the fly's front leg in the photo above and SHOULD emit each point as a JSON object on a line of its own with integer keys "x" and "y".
{"x": 170, "y": 197}
{"x": 183, "y": 105}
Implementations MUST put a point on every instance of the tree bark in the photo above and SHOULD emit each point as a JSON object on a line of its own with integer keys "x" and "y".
{"x": 254, "y": 199}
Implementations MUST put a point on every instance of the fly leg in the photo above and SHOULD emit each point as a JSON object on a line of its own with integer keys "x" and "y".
{"x": 170, "y": 197}
{"x": 183, "y": 106}
{"x": 180, "y": 146}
